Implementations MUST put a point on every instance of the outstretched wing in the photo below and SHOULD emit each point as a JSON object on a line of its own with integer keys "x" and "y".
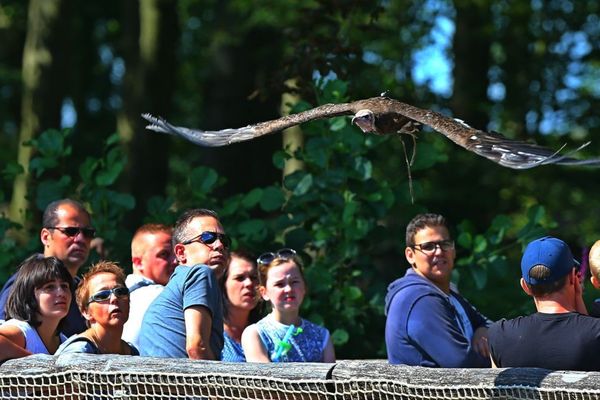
{"x": 493, "y": 146}
{"x": 228, "y": 136}
{"x": 391, "y": 116}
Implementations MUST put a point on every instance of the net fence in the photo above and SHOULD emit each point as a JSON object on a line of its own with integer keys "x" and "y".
{"x": 86, "y": 378}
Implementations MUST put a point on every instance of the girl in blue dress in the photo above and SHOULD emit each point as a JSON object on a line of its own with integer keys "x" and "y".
{"x": 283, "y": 335}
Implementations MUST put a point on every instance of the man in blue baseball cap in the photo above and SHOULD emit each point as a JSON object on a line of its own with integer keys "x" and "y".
{"x": 560, "y": 335}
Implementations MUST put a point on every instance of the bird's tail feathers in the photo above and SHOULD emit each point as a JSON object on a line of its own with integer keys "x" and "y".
{"x": 158, "y": 124}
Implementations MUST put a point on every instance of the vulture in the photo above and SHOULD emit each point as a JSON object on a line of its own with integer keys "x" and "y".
{"x": 383, "y": 116}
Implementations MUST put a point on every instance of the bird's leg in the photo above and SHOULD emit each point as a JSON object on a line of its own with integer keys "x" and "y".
{"x": 408, "y": 165}
{"x": 414, "y": 152}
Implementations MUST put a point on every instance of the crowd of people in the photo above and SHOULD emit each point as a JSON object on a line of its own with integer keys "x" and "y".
{"x": 190, "y": 296}
{"x": 187, "y": 296}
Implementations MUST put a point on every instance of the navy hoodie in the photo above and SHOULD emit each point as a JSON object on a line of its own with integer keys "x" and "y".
{"x": 421, "y": 326}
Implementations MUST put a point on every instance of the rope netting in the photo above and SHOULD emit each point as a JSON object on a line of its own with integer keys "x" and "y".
{"x": 77, "y": 384}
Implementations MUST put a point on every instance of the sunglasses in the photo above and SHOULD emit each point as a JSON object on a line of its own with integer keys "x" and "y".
{"x": 209, "y": 237}
{"x": 429, "y": 247}
{"x": 71, "y": 231}
{"x": 268, "y": 258}
{"x": 103, "y": 295}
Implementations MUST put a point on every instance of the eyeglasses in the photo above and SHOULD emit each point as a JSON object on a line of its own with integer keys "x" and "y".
{"x": 429, "y": 247}
{"x": 71, "y": 231}
{"x": 103, "y": 295}
{"x": 209, "y": 237}
{"x": 268, "y": 258}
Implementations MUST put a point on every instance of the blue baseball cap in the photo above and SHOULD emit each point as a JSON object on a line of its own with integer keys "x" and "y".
{"x": 550, "y": 252}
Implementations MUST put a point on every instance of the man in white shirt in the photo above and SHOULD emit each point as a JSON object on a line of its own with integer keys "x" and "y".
{"x": 153, "y": 263}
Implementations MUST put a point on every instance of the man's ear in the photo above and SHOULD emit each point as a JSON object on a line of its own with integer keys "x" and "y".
{"x": 409, "y": 253}
{"x": 136, "y": 263}
{"x": 45, "y": 235}
{"x": 179, "y": 251}
{"x": 595, "y": 282}
{"x": 525, "y": 288}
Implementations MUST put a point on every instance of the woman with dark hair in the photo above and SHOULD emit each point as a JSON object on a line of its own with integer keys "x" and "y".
{"x": 238, "y": 287}
{"x": 103, "y": 300}
{"x": 39, "y": 300}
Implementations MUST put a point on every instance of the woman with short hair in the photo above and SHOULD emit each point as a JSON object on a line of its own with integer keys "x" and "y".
{"x": 103, "y": 300}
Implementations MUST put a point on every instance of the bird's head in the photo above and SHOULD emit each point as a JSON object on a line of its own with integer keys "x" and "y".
{"x": 365, "y": 120}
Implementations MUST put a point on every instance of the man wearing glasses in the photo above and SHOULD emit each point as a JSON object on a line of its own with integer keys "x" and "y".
{"x": 428, "y": 323}
{"x": 66, "y": 234}
{"x": 186, "y": 319}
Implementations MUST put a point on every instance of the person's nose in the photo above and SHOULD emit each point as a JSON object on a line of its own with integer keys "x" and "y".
{"x": 80, "y": 237}
{"x": 113, "y": 298}
{"x": 218, "y": 245}
{"x": 438, "y": 249}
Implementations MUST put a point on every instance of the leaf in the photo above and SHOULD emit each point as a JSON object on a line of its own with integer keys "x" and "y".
{"x": 465, "y": 240}
{"x": 252, "y": 198}
{"x": 304, "y": 185}
{"x": 272, "y": 199}
{"x": 279, "y": 158}
{"x": 352, "y": 293}
{"x": 203, "y": 179}
{"x": 480, "y": 244}
{"x": 340, "y": 337}
{"x": 536, "y": 213}
{"x": 338, "y": 123}
{"x": 364, "y": 167}
{"x": 253, "y": 229}
{"x": 479, "y": 276}
{"x": 110, "y": 173}
{"x": 87, "y": 168}
{"x": 50, "y": 190}
{"x": 297, "y": 238}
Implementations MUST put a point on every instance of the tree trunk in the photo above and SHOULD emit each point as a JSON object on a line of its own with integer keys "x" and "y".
{"x": 43, "y": 87}
{"x": 293, "y": 138}
{"x": 150, "y": 42}
{"x": 471, "y": 49}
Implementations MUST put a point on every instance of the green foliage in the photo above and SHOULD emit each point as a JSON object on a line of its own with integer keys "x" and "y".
{"x": 54, "y": 177}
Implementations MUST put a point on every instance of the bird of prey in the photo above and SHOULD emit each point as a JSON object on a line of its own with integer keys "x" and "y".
{"x": 383, "y": 115}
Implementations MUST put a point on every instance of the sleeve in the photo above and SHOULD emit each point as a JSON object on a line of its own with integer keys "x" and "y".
{"x": 4, "y": 296}
{"x": 433, "y": 328}
{"x": 201, "y": 289}
{"x": 477, "y": 319}
{"x": 495, "y": 341}
{"x": 326, "y": 336}
{"x": 79, "y": 345}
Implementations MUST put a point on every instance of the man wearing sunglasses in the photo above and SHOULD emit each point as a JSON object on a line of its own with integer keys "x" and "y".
{"x": 186, "y": 319}
{"x": 428, "y": 323}
{"x": 66, "y": 234}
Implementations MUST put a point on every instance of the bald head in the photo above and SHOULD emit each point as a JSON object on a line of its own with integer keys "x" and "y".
{"x": 152, "y": 253}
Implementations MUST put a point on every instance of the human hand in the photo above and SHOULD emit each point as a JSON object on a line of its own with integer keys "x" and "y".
{"x": 480, "y": 341}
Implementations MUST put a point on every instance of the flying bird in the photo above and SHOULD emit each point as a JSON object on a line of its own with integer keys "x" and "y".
{"x": 382, "y": 116}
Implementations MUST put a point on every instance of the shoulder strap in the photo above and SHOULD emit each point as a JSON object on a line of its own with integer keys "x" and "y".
{"x": 138, "y": 285}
